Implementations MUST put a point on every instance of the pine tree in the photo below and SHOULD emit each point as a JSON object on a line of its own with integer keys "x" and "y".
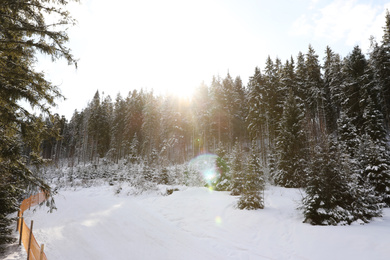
{"x": 355, "y": 73}
{"x": 220, "y": 111}
{"x": 328, "y": 199}
{"x": 252, "y": 194}
{"x": 375, "y": 173}
{"x": 271, "y": 99}
{"x": 375, "y": 151}
{"x": 332, "y": 91}
{"x": 237, "y": 171}
{"x": 239, "y": 110}
{"x": 99, "y": 125}
{"x": 201, "y": 103}
{"x": 24, "y": 31}
{"x": 151, "y": 125}
{"x": 291, "y": 145}
{"x": 134, "y": 118}
{"x": 315, "y": 94}
{"x": 222, "y": 180}
{"x": 255, "y": 109}
{"x": 118, "y": 128}
{"x": 379, "y": 59}
{"x": 134, "y": 148}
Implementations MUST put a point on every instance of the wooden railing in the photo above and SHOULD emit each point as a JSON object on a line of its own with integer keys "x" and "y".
{"x": 26, "y": 236}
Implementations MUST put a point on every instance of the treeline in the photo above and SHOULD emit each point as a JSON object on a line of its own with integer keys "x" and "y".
{"x": 323, "y": 127}
{"x": 144, "y": 125}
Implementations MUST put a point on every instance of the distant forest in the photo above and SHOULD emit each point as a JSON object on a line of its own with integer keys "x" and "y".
{"x": 319, "y": 125}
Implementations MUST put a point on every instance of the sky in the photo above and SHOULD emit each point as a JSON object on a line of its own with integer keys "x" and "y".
{"x": 172, "y": 46}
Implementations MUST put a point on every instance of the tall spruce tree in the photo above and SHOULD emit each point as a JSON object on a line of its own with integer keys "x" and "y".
{"x": 24, "y": 31}
{"x": 253, "y": 187}
{"x": 332, "y": 91}
{"x": 375, "y": 152}
{"x": 201, "y": 103}
{"x": 328, "y": 199}
{"x": 379, "y": 59}
{"x": 291, "y": 145}
{"x": 237, "y": 171}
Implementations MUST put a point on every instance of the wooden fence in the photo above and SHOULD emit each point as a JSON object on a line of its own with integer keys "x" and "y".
{"x": 34, "y": 251}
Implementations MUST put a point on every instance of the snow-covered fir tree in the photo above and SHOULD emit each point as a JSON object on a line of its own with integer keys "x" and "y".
{"x": 374, "y": 154}
{"x": 222, "y": 179}
{"x": 328, "y": 199}
{"x": 252, "y": 194}
{"x": 237, "y": 172}
{"x": 291, "y": 145}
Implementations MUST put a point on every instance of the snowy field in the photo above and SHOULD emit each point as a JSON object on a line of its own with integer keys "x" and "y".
{"x": 195, "y": 223}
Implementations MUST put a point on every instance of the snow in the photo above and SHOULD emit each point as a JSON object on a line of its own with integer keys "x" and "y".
{"x": 195, "y": 223}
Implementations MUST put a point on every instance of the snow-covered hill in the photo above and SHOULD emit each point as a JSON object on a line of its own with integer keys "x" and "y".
{"x": 195, "y": 223}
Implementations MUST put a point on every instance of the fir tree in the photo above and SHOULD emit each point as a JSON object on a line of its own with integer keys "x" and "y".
{"x": 151, "y": 125}
{"x": 379, "y": 59}
{"x": 315, "y": 94}
{"x": 201, "y": 102}
{"x": 118, "y": 128}
{"x": 355, "y": 73}
{"x": 222, "y": 182}
{"x": 256, "y": 115}
{"x": 332, "y": 91}
{"x": 252, "y": 194}
{"x": 134, "y": 118}
{"x": 328, "y": 199}
{"x": 291, "y": 145}
{"x": 24, "y": 31}
{"x": 374, "y": 160}
{"x": 237, "y": 172}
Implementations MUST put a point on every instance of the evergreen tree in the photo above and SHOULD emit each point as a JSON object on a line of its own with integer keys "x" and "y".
{"x": 255, "y": 118}
{"x": 252, "y": 194}
{"x": 355, "y": 73}
{"x": 221, "y": 182}
{"x": 300, "y": 76}
{"x": 151, "y": 125}
{"x": 375, "y": 151}
{"x": 328, "y": 198}
{"x": 348, "y": 135}
{"x": 272, "y": 99}
{"x": 134, "y": 118}
{"x": 219, "y": 114}
{"x": 375, "y": 173}
{"x": 239, "y": 110}
{"x": 134, "y": 148}
{"x": 379, "y": 59}
{"x": 237, "y": 171}
{"x": 99, "y": 125}
{"x": 332, "y": 91}
{"x": 201, "y": 103}
{"x": 118, "y": 128}
{"x": 315, "y": 94}
{"x": 291, "y": 145}
{"x": 24, "y": 31}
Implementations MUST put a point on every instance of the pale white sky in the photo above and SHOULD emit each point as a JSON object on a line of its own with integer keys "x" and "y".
{"x": 174, "y": 45}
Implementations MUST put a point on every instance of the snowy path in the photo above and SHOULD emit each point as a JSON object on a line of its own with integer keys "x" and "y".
{"x": 195, "y": 223}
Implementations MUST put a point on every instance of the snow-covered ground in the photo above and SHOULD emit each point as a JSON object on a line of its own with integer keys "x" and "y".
{"x": 195, "y": 223}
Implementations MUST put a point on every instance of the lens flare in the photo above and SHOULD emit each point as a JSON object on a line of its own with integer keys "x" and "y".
{"x": 218, "y": 220}
{"x": 205, "y": 164}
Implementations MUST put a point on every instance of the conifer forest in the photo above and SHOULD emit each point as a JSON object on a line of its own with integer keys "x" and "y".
{"x": 319, "y": 125}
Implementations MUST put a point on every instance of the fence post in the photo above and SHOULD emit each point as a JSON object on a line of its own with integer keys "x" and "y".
{"x": 41, "y": 254}
{"x": 29, "y": 240}
{"x": 21, "y": 231}
{"x": 17, "y": 222}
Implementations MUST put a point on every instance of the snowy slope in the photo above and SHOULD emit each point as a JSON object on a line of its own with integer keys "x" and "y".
{"x": 195, "y": 223}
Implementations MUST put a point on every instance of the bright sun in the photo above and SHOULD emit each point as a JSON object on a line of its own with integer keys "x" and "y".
{"x": 183, "y": 92}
